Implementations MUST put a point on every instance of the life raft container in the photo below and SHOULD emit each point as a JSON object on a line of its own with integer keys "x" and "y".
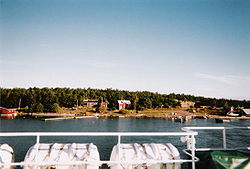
{"x": 6, "y": 155}
{"x": 62, "y": 153}
{"x": 145, "y": 152}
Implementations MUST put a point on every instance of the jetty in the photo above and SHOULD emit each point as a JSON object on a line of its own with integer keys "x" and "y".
{"x": 66, "y": 118}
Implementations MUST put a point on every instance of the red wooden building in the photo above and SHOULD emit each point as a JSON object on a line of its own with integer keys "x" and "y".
{"x": 7, "y": 113}
{"x": 124, "y": 104}
{"x": 103, "y": 104}
{"x": 95, "y": 103}
{"x": 90, "y": 103}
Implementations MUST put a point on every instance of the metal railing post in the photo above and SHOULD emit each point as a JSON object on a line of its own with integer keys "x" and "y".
{"x": 193, "y": 151}
{"x": 119, "y": 142}
{"x": 37, "y": 138}
{"x": 224, "y": 138}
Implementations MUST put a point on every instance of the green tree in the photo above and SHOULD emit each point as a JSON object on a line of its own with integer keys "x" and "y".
{"x": 101, "y": 109}
{"x": 37, "y": 107}
{"x": 148, "y": 103}
{"x": 67, "y": 97}
{"x": 134, "y": 102}
{"x": 55, "y": 107}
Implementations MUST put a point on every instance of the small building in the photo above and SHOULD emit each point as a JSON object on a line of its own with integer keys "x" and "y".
{"x": 95, "y": 103}
{"x": 7, "y": 113}
{"x": 187, "y": 104}
{"x": 246, "y": 112}
{"x": 90, "y": 103}
{"x": 123, "y": 104}
{"x": 103, "y": 104}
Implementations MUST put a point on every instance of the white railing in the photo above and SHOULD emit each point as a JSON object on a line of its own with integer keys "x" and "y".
{"x": 223, "y": 129}
{"x": 119, "y": 135}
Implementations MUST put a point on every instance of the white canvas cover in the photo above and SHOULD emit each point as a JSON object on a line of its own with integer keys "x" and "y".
{"x": 143, "y": 152}
{"x": 6, "y": 155}
{"x": 62, "y": 153}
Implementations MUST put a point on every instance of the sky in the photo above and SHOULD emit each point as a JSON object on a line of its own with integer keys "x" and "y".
{"x": 197, "y": 47}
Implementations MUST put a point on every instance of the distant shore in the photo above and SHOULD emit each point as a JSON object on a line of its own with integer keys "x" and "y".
{"x": 168, "y": 114}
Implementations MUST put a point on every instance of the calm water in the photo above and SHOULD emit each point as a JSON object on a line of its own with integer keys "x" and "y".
{"x": 105, "y": 144}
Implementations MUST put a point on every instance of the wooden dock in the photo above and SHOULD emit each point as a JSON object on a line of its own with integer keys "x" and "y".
{"x": 66, "y": 118}
{"x": 52, "y": 115}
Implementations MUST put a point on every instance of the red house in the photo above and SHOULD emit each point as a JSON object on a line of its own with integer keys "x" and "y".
{"x": 124, "y": 104}
{"x": 103, "y": 104}
{"x": 90, "y": 103}
{"x": 7, "y": 113}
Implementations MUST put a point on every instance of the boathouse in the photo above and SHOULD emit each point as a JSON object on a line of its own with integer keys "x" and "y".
{"x": 7, "y": 113}
{"x": 123, "y": 104}
{"x": 246, "y": 112}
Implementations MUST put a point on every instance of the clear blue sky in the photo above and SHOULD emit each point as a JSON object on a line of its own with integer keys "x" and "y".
{"x": 198, "y": 47}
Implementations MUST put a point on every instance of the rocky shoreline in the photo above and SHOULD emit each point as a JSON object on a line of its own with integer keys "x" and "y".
{"x": 180, "y": 115}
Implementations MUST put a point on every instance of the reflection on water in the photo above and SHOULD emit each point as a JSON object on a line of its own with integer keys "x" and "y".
{"x": 105, "y": 144}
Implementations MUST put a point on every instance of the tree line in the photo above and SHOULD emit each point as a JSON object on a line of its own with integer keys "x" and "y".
{"x": 50, "y": 99}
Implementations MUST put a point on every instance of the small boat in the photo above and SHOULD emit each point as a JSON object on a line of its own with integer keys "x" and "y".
{"x": 6, "y": 155}
{"x": 222, "y": 120}
{"x": 222, "y": 157}
{"x": 232, "y": 114}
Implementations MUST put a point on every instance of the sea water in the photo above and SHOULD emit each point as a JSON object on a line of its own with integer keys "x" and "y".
{"x": 235, "y": 138}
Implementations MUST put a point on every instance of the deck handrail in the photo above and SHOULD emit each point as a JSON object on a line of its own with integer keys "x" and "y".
{"x": 119, "y": 135}
{"x": 98, "y": 133}
{"x": 188, "y": 129}
{"x": 212, "y": 128}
